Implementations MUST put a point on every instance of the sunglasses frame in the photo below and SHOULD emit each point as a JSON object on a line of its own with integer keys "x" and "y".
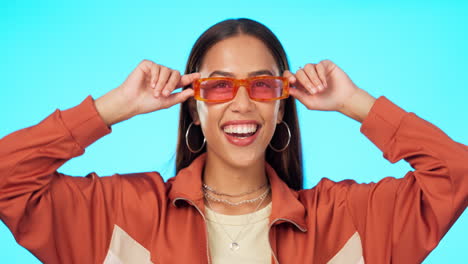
{"x": 237, "y": 84}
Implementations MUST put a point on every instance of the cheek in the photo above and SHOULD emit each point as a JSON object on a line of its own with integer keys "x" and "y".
{"x": 270, "y": 118}
{"x": 209, "y": 116}
{"x": 270, "y": 112}
{"x": 202, "y": 112}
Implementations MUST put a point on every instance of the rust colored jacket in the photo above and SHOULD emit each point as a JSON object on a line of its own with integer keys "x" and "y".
{"x": 139, "y": 218}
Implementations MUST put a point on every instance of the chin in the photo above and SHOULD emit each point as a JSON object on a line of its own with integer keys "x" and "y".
{"x": 245, "y": 159}
{"x": 240, "y": 158}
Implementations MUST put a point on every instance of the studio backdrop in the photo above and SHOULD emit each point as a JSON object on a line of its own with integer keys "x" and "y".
{"x": 55, "y": 53}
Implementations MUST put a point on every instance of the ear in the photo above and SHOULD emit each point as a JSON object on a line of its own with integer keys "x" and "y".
{"x": 281, "y": 111}
{"x": 193, "y": 111}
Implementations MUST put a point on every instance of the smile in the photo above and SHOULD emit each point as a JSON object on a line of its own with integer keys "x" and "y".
{"x": 241, "y": 133}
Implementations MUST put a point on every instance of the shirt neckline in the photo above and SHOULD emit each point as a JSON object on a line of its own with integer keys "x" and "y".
{"x": 237, "y": 220}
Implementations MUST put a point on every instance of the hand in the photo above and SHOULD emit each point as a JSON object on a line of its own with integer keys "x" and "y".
{"x": 324, "y": 86}
{"x": 148, "y": 88}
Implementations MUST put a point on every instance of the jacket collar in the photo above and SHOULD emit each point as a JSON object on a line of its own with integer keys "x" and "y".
{"x": 187, "y": 185}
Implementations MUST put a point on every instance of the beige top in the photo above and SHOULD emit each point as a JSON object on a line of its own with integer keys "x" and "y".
{"x": 252, "y": 239}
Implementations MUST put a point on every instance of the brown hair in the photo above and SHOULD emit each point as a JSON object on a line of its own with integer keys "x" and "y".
{"x": 288, "y": 163}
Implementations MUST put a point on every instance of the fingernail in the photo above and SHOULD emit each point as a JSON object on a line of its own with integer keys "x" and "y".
{"x": 165, "y": 92}
{"x": 320, "y": 87}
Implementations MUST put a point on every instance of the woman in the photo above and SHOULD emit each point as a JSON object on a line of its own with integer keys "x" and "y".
{"x": 237, "y": 196}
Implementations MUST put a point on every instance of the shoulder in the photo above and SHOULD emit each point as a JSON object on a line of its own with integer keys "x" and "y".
{"x": 345, "y": 192}
{"x": 142, "y": 185}
{"x": 328, "y": 187}
{"x": 328, "y": 190}
{"x": 141, "y": 179}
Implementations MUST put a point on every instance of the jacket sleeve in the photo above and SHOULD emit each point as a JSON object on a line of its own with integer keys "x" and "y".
{"x": 402, "y": 220}
{"x": 59, "y": 218}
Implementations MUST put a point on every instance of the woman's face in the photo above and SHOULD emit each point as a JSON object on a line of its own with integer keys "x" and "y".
{"x": 225, "y": 124}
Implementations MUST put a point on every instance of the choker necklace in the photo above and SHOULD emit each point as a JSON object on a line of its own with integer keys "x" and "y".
{"x": 208, "y": 188}
{"x": 260, "y": 197}
{"x": 234, "y": 245}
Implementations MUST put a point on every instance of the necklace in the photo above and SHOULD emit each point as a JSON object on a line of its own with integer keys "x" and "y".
{"x": 253, "y": 200}
{"x": 208, "y": 188}
{"x": 234, "y": 245}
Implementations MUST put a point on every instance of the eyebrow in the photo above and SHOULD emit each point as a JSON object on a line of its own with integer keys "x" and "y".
{"x": 251, "y": 74}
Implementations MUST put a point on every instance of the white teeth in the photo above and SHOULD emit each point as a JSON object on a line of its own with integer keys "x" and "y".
{"x": 241, "y": 129}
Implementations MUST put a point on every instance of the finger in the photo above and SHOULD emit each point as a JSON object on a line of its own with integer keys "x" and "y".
{"x": 304, "y": 81}
{"x": 171, "y": 83}
{"x": 322, "y": 74}
{"x": 328, "y": 65}
{"x": 177, "y": 98}
{"x": 291, "y": 78}
{"x": 164, "y": 74}
{"x": 154, "y": 74}
{"x": 145, "y": 67}
{"x": 188, "y": 79}
{"x": 311, "y": 72}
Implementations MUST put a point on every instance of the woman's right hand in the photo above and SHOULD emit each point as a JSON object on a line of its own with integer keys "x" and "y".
{"x": 148, "y": 88}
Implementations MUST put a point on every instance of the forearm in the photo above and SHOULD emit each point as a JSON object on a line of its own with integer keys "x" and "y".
{"x": 30, "y": 157}
{"x": 34, "y": 197}
{"x": 435, "y": 192}
{"x": 358, "y": 105}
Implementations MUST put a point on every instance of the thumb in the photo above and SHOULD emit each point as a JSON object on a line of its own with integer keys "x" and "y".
{"x": 176, "y": 98}
{"x": 188, "y": 79}
{"x": 303, "y": 97}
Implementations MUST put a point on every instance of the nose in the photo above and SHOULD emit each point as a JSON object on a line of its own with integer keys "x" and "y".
{"x": 242, "y": 102}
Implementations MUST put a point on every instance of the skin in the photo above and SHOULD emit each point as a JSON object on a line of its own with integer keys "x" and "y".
{"x": 243, "y": 167}
{"x": 322, "y": 86}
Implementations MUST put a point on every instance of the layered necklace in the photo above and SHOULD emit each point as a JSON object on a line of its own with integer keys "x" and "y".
{"x": 225, "y": 201}
{"x": 210, "y": 189}
{"x": 234, "y": 245}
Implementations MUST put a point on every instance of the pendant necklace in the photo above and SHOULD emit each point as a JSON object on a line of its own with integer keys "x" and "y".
{"x": 234, "y": 245}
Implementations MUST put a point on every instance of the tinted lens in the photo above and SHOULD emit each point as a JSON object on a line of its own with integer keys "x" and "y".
{"x": 216, "y": 89}
{"x": 266, "y": 88}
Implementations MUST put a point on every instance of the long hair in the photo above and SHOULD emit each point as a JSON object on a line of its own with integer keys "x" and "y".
{"x": 288, "y": 163}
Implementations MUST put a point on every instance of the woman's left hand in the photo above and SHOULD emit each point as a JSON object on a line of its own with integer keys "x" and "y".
{"x": 324, "y": 86}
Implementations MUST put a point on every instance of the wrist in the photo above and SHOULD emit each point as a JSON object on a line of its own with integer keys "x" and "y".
{"x": 358, "y": 105}
{"x": 113, "y": 107}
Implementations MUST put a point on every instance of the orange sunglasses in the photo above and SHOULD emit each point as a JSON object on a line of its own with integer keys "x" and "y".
{"x": 223, "y": 89}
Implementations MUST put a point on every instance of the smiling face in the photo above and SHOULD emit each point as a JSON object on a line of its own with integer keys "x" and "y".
{"x": 238, "y": 131}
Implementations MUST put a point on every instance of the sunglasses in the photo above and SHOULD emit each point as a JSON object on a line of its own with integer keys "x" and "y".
{"x": 223, "y": 89}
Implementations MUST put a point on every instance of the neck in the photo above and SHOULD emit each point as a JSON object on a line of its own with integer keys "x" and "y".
{"x": 226, "y": 178}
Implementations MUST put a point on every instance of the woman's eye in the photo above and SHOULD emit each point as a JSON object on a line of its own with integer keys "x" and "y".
{"x": 260, "y": 84}
{"x": 221, "y": 85}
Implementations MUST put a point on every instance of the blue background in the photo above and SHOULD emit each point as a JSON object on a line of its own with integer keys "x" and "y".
{"x": 55, "y": 53}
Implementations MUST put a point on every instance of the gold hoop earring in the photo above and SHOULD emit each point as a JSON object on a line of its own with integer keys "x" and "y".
{"x": 187, "y": 143}
{"x": 287, "y": 143}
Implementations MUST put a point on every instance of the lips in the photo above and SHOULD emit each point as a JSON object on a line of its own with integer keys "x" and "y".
{"x": 241, "y": 132}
